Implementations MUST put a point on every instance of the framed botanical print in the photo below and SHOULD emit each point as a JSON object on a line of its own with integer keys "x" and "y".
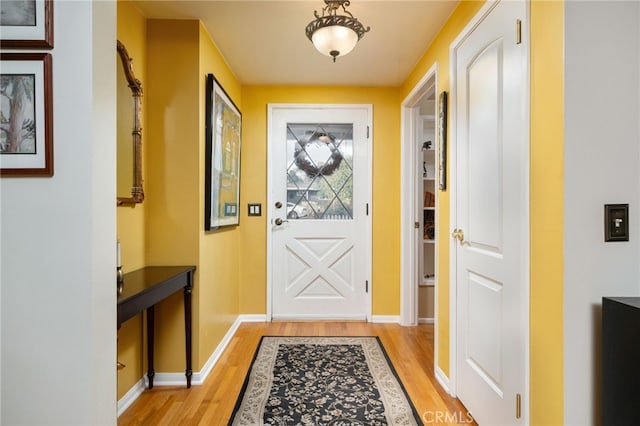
{"x": 26, "y": 24}
{"x": 26, "y": 112}
{"x": 223, "y": 123}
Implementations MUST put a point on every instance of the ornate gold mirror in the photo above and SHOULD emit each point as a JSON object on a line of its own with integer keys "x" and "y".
{"x": 129, "y": 184}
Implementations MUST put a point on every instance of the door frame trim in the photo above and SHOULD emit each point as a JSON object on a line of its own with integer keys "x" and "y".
{"x": 368, "y": 196}
{"x": 408, "y": 236}
{"x": 452, "y": 184}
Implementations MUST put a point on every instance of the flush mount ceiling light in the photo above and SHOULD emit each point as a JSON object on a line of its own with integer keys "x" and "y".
{"x": 332, "y": 34}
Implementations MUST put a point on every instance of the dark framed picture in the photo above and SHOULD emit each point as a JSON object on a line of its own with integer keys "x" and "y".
{"x": 442, "y": 141}
{"x": 223, "y": 124}
{"x": 26, "y": 113}
{"x": 26, "y": 24}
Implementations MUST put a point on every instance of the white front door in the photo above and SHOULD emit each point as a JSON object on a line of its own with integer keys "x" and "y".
{"x": 319, "y": 211}
{"x": 491, "y": 222}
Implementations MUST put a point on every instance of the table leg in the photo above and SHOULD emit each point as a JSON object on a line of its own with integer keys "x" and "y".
{"x": 187, "y": 329}
{"x": 150, "y": 333}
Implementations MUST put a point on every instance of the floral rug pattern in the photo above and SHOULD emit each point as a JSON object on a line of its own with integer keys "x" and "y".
{"x": 322, "y": 381}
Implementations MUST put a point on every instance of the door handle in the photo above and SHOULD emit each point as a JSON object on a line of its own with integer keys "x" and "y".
{"x": 458, "y": 234}
{"x": 279, "y": 221}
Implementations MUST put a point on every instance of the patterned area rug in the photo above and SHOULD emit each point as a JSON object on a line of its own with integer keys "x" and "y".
{"x": 322, "y": 381}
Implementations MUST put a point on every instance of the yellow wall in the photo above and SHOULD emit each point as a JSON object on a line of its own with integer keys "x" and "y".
{"x": 172, "y": 200}
{"x": 219, "y": 253}
{"x": 132, "y": 27}
{"x": 170, "y": 230}
{"x": 181, "y": 54}
{"x": 386, "y": 181}
{"x": 546, "y": 199}
{"x": 130, "y": 219}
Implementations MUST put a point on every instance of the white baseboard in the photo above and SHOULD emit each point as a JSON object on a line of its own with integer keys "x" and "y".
{"x": 132, "y": 395}
{"x": 198, "y": 377}
{"x": 425, "y": 321}
{"x": 395, "y": 319}
{"x": 443, "y": 380}
{"x": 169, "y": 379}
{"x": 177, "y": 379}
{"x": 253, "y": 318}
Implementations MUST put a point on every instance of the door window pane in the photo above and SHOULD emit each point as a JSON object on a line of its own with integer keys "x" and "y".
{"x": 320, "y": 171}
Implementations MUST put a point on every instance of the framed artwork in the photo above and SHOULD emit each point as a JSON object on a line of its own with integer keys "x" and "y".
{"x": 26, "y": 114}
{"x": 442, "y": 141}
{"x": 26, "y": 24}
{"x": 223, "y": 123}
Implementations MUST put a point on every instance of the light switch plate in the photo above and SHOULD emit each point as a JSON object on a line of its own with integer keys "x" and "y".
{"x": 255, "y": 209}
{"x": 616, "y": 222}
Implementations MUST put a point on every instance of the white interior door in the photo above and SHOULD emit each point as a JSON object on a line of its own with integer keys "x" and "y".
{"x": 319, "y": 211}
{"x": 492, "y": 216}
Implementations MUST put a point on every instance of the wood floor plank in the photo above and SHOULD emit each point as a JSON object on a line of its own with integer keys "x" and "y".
{"x": 410, "y": 350}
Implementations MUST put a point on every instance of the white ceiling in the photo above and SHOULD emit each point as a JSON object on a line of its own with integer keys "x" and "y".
{"x": 264, "y": 41}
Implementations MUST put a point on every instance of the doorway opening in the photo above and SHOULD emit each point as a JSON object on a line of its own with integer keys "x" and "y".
{"x": 419, "y": 205}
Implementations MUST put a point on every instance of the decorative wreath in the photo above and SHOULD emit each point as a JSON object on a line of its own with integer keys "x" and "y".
{"x": 326, "y": 169}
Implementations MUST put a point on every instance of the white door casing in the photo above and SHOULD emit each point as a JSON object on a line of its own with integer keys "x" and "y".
{"x": 319, "y": 224}
{"x": 411, "y": 199}
{"x": 490, "y": 205}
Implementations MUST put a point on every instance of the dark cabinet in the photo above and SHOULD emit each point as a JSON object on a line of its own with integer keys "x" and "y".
{"x": 621, "y": 360}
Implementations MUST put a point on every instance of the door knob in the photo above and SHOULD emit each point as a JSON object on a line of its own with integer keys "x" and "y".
{"x": 279, "y": 221}
{"x": 458, "y": 234}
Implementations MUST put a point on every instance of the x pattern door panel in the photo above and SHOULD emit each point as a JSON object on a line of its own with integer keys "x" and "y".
{"x": 320, "y": 268}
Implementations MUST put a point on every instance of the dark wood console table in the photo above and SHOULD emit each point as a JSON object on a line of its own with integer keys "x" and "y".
{"x": 143, "y": 288}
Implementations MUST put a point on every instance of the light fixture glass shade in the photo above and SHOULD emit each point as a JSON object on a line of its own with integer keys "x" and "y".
{"x": 335, "y": 34}
{"x": 334, "y": 38}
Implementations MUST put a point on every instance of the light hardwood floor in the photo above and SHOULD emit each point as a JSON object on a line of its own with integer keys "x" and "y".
{"x": 409, "y": 348}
